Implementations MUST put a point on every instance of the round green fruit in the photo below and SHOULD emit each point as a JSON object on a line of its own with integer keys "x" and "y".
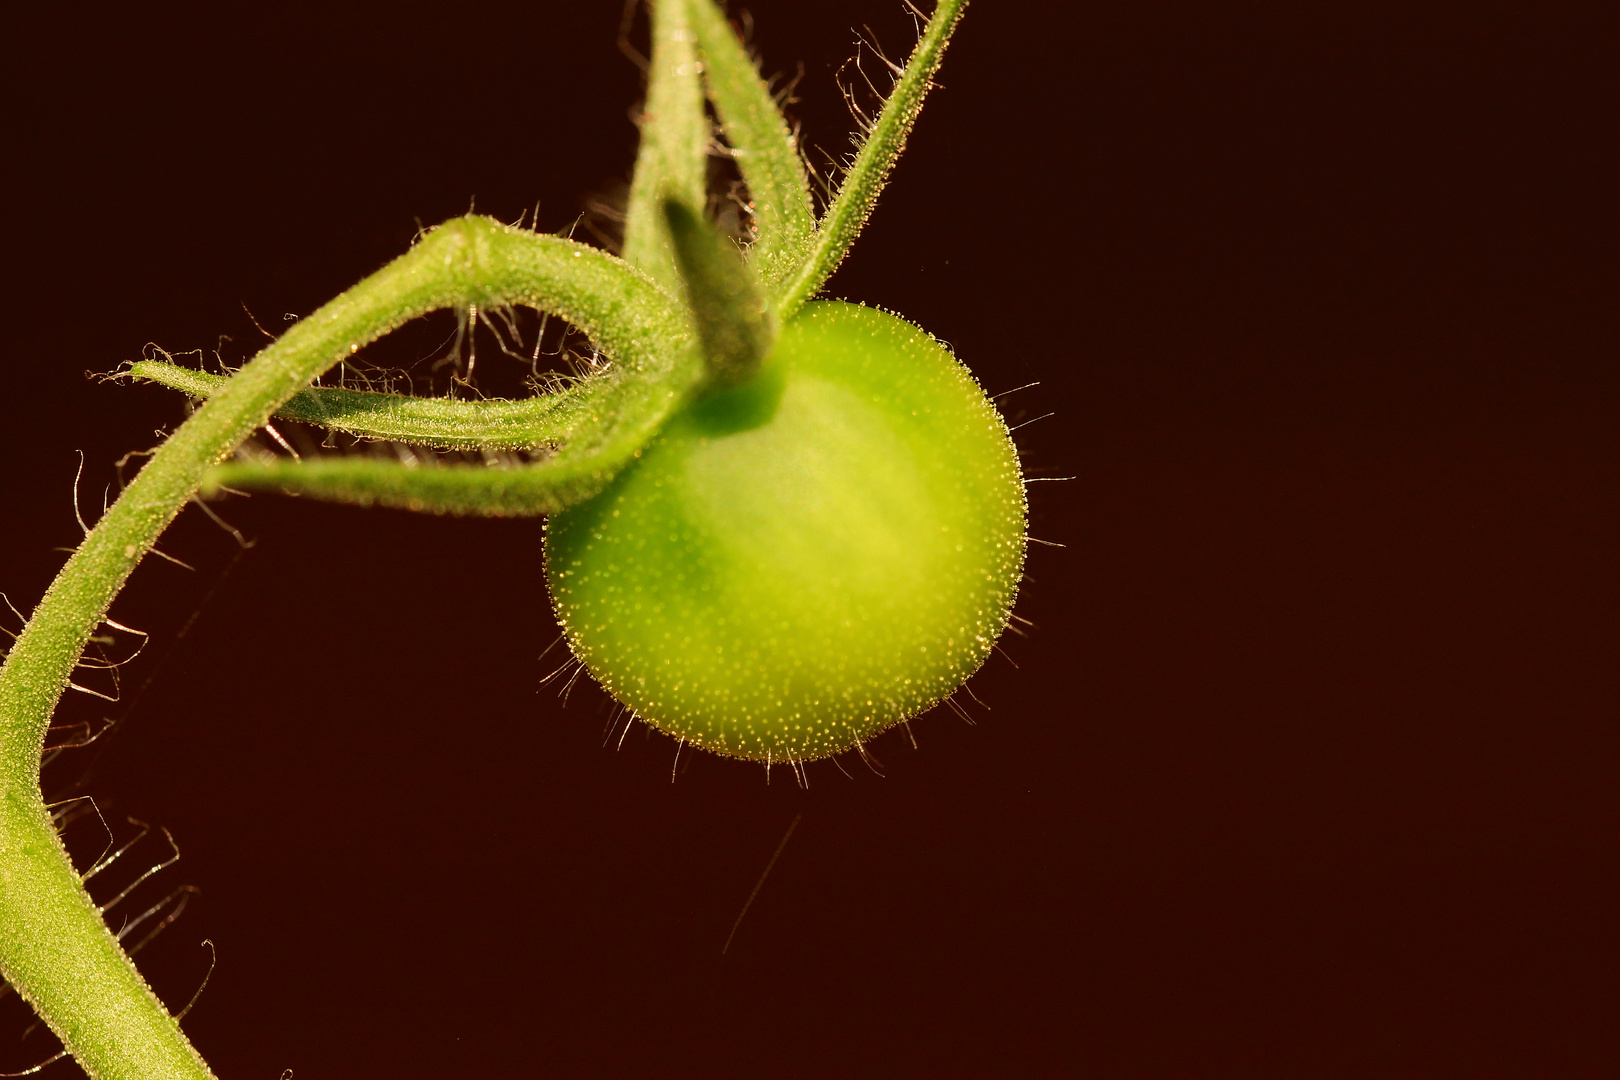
{"x": 798, "y": 563}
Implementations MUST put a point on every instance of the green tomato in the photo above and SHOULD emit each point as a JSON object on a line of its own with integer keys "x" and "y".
{"x": 796, "y": 564}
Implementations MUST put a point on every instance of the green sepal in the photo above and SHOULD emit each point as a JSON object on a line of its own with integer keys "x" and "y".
{"x": 879, "y": 150}
{"x": 762, "y": 144}
{"x": 734, "y": 325}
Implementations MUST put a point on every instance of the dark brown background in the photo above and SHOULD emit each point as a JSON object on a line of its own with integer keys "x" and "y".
{"x": 1308, "y": 768}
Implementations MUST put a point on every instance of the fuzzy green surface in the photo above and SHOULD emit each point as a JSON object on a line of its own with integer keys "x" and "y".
{"x": 795, "y": 565}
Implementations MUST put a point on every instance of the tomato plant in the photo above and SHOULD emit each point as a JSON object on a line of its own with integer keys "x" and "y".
{"x": 781, "y": 525}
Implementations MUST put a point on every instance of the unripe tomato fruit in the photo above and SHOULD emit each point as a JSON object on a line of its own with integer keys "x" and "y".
{"x": 796, "y": 564}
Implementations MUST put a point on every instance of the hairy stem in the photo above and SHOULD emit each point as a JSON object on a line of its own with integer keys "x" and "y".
{"x": 54, "y": 947}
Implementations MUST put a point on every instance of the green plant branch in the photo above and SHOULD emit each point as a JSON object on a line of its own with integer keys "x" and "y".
{"x": 55, "y": 949}
{"x": 762, "y": 144}
{"x": 879, "y": 150}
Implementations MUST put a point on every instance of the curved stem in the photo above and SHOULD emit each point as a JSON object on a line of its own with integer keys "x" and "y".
{"x": 54, "y": 947}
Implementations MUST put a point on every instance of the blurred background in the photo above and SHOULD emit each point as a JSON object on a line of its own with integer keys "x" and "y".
{"x": 1306, "y": 768}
